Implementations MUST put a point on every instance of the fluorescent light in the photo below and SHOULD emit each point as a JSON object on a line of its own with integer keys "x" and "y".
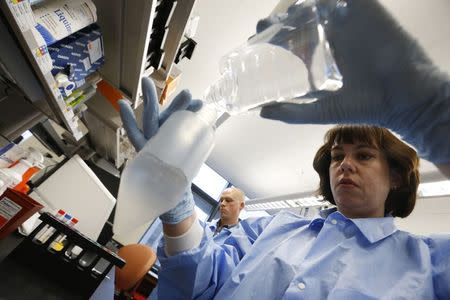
{"x": 434, "y": 189}
{"x": 26, "y": 135}
{"x": 306, "y": 202}
{"x": 431, "y": 189}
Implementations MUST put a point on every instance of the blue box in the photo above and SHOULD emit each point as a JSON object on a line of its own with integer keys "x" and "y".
{"x": 78, "y": 55}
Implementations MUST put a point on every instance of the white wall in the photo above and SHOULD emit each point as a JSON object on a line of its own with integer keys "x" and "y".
{"x": 430, "y": 216}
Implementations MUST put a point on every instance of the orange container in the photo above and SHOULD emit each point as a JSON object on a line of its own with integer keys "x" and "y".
{"x": 15, "y": 208}
{"x": 23, "y": 186}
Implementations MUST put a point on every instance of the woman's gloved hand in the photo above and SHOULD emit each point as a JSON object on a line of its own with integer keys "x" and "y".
{"x": 388, "y": 80}
{"x": 151, "y": 121}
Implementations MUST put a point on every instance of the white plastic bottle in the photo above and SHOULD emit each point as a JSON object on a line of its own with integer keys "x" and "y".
{"x": 155, "y": 180}
{"x": 12, "y": 176}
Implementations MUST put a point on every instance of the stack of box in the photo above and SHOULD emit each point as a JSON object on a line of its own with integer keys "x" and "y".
{"x": 77, "y": 56}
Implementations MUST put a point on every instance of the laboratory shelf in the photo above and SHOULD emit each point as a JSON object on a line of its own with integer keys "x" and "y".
{"x": 22, "y": 21}
{"x": 142, "y": 39}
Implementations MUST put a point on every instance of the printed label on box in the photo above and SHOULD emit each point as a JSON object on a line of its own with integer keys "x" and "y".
{"x": 12, "y": 154}
{"x": 95, "y": 50}
{"x": 86, "y": 63}
{"x": 8, "y": 209}
{"x": 22, "y": 13}
{"x": 78, "y": 50}
{"x": 43, "y": 59}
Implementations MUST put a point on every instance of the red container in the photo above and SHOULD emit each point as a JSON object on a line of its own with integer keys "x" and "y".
{"x": 15, "y": 208}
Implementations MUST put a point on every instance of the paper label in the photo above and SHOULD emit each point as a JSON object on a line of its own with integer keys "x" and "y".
{"x": 21, "y": 10}
{"x": 58, "y": 19}
{"x": 12, "y": 155}
{"x": 80, "y": 82}
{"x": 86, "y": 63}
{"x": 8, "y": 209}
{"x": 95, "y": 50}
{"x": 43, "y": 58}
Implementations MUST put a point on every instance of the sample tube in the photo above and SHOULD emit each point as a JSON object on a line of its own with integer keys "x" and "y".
{"x": 48, "y": 230}
{"x": 57, "y": 243}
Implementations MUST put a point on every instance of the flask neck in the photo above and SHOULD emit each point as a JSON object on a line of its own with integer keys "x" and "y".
{"x": 223, "y": 92}
{"x": 208, "y": 114}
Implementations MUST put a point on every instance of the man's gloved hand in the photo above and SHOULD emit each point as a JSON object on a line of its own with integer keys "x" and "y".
{"x": 388, "y": 80}
{"x": 151, "y": 121}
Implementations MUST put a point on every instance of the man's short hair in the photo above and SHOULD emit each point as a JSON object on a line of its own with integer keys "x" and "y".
{"x": 235, "y": 193}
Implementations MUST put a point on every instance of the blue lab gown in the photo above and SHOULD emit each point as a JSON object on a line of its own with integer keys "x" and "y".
{"x": 286, "y": 256}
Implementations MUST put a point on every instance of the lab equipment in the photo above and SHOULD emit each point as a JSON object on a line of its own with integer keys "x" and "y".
{"x": 9, "y": 154}
{"x": 15, "y": 208}
{"x": 50, "y": 231}
{"x": 64, "y": 84}
{"x": 75, "y": 188}
{"x": 291, "y": 58}
{"x": 56, "y": 19}
{"x": 87, "y": 259}
{"x": 33, "y": 266}
{"x": 100, "y": 266}
{"x": 13, "y": 176}
{"x": 58, "y": 242}
{"x": 155, "y": 180}
{"x": 152, "y": 120}
{"x": 39, "y": 236}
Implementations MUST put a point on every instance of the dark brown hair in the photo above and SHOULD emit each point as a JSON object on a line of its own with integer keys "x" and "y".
{"x": 401, "y": 158}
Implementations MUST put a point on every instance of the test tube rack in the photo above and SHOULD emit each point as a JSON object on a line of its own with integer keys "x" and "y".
{"x": 77, "y": 279}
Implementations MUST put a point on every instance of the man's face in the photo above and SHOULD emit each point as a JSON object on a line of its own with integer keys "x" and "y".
{"x": 230, "y": 205}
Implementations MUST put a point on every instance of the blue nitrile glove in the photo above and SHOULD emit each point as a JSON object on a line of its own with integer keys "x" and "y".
{"x": 151, "y": 121}
{"x": 388, "y": 80}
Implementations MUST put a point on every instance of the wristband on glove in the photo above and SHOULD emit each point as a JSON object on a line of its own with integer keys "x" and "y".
{"x": 183, "y": 210}
{"x": 189, "y": 240}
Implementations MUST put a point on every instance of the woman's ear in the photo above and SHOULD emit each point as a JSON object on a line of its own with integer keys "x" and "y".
{"x": 395, "y": 179}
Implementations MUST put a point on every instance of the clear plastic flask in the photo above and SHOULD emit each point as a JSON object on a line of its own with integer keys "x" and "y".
{"x": 289, "y": 59}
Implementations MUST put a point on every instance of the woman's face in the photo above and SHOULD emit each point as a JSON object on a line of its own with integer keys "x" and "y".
{"x": 360, "y": 180}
